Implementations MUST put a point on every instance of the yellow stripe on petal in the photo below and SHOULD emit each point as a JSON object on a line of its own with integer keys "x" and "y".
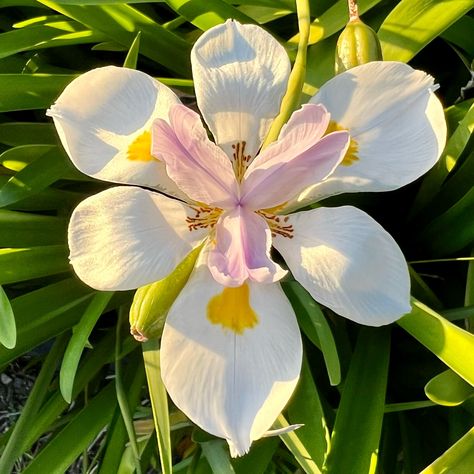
{"x": 232, "y": 309}
{"x": 351, "y": 155}
{"x": 140, "y": 149}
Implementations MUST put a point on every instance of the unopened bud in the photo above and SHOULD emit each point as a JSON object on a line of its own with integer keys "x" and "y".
{"x": 357, "y": 44}
{"x": 152, "y": 302}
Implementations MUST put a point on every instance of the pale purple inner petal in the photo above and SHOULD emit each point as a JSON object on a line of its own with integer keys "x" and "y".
{"x": 242, "y": 250}
{"x": 301, "y": 157}
{"x": 198, "y": 166}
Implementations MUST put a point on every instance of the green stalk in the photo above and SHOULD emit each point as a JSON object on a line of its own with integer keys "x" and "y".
{"x": 292, "y": 97}
{"x": 122, "y": 396}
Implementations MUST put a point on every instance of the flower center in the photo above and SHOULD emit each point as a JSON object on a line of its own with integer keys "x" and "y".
{"x": 351, "y": 154}
{"x": 205, "y": 217}
{"x": 240, "y": 160}
{"x": 278, "y": 224}
{"x": 231, "y": 309}
{"x": 140, "y": 149}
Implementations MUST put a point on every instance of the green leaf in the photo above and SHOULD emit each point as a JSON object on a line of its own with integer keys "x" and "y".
{"x": 306, "y": 409}
{"x": 21, "y": 229}
{"x": 217, "y": 456}
{"x": 64, "y": 448}
{"x": 295, "y": 445}
{"x": 412, "y": 24}
{"x": 458, "y": 219}
{"x": 454, "y": 147}
{"x": 315, "y": 318}
{"x": 7, "y": 322}
{"x": 207, "y": 14}
{"x": 121, "y": 23}
{"x": 259, "y": 457}
{"x": 56, "y": 307}
{"x": 31, "y": 91}
{"x": 460, "y": 34}
{"x": 48, "y": 165}
{"x": 448, "y": 389}
{"x": 132, "y": 55}
{"x": 25, "y": 264}
{"x": 356, "y": 435}
{"x": 458, "y": 459}
{"x": 159, "y": 403}
{"x": 14, "y": 448}
{"x": 52, "y": 34}
{"x": 27, "y": 133}
{"x": 450, "y": 343}
{"x": 78, "y": 341}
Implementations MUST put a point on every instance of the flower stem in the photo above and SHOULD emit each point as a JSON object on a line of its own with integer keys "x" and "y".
{"x": 291, "y": 99}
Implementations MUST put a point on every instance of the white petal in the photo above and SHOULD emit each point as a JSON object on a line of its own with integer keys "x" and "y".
{"x": 348, "y": 263}
{"x": 127, "y": 237}
{"x": 240, "y": 75}
{"x": 232, "y": 385}
{"x": 396, "y": 120}
{"x": 101, "y": 113}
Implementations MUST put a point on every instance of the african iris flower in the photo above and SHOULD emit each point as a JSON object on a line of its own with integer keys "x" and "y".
{"x": 231, "y": 348}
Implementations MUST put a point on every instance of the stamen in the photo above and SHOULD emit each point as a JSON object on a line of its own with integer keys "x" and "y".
{"x": 277, "y": 224}
{"x": 240, "y": 161}
{"x": 205, "y": 217}
{"x": 351, "y": 154}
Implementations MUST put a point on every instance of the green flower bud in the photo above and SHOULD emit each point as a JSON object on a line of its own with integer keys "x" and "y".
{"x": 152, "y": 302}
{"x": 357, "y": 44}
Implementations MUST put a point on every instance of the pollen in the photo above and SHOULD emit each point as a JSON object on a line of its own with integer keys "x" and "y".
{"x": 140, "y": 149}
{"x": 240, "y": 161}
{"x": 204, "y": 217}
{"x": 351, "y": 154}
{"x": 231, "y": 309}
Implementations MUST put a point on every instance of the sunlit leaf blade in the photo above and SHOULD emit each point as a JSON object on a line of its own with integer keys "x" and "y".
{"x": 448, "y": 389}
{"x": 31, "y": 91}
{"x": 78, "y": 341}
{"x": 45, "y": 36}
{"x": 132, "y": 55}
{"x": 35, "y": 177}
{"x": 458, "y": 459}
{"x": 296, "y": 447}
{"x": 159, "y": 403}
{"x": 56, "y": 307}
{"x": 428, "y": 18}
{"x": 121, "y": 23}
{"x": 306, "y": 408}
{"x": 21, "y": 229}
{"x": 356, "y": 435}
{"x": 207, "y": 14}
{"x": 27, "y": 263}
{"x": 76, "y": 435}
{"x": 448, "y": 342}
{"x": 7, "y": 322}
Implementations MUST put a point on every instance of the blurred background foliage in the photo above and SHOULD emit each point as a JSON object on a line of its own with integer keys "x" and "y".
{"x": 73, "y": 391}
